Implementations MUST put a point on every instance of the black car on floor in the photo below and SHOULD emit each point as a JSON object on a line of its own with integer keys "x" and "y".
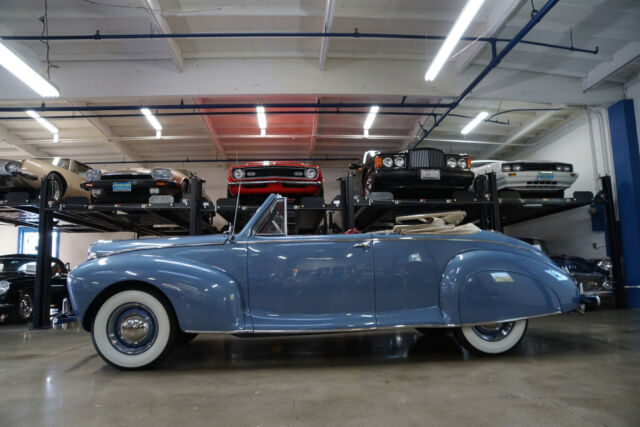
{"x": 17, "y": 279}
{"x": 421, "y": 173}
{"x": 593, "y": 275}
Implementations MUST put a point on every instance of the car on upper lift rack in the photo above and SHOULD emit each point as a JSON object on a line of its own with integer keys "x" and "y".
{"x": 419, "y": 173}
{"x": 256, "y": 180}
{"x": 537, "y": 178}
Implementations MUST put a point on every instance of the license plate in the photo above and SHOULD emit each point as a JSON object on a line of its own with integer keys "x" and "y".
{"x": 430, "y": 174}
{"x": 545, "y": 175}
{"x": 121, "y": 186}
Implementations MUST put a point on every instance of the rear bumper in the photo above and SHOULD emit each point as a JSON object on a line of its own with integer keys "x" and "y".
{"x": 268, "y": 186}
{"x": 537, "y": 181}
{"x": 102, "y": 191}
{"x": 407, "y": 181}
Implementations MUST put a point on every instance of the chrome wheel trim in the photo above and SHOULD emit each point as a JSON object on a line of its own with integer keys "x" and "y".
{"x": 132, "y": 328}
{"x": 25, "y": 306}
{"x": 493, "y": 332}
{"x": 55, "y": 189}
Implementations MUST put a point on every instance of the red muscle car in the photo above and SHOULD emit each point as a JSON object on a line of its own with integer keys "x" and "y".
{"x": 256, "y": 180}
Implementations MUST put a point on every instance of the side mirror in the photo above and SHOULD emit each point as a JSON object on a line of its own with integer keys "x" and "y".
{"x": 354, "y": 166}
{"x": 67, "y": 266}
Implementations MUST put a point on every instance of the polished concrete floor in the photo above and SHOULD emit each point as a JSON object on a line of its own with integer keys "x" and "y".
{"x": 569, "y": 370}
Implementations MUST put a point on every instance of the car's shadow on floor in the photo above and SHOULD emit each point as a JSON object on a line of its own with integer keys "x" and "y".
{"x": 329, "y": 350}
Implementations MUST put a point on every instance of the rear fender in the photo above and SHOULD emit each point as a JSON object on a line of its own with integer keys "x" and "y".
{"x": 492, "y": 285}
{"x": 203, "y": 297}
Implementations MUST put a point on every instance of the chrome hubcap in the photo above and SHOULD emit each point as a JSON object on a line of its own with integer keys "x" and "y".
{"x": 25, "y": 306}
{"x": 494, "y": 331}
{"x": 132, "y": 328}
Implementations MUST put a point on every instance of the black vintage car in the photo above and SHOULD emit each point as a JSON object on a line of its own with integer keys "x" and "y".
{"x": 593, "y": 275}
{"x": 17, "y": 278}
{"x": 416, "y": 174}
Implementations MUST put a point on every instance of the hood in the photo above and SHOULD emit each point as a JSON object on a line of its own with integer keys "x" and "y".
{"x": 12, "y": 275}
{"x": 106, "y": 248}
{"x": 142, "y": 171}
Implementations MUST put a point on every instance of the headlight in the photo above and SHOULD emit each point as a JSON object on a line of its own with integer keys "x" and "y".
{"x": 558, "y": 167}
{"x": 567, "y": 168}
{"x": 4, "y": 286}
{"x": 462, "y": 163}
{"x": 517, "y": 167}
{"x": 311, "y": 173}
{"x": 238, "y": 173}
{"x": 452, "y": 162}
{"x": 604, "y": 264}
{"x": 387, "y": 162}
{"x": 12, "y": 167}
{"x": 399, "y": 161}
{"x": 160, "y": 173}
{"x": 506, "y": 168}
{"x": 93, "y": 175}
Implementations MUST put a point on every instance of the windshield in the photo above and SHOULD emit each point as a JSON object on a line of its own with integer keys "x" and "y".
{"x": 56, "y": 161}
{"x": 575, "y": 265}
{"x": 14, "y": 265}
{"x": 273, "y": 222}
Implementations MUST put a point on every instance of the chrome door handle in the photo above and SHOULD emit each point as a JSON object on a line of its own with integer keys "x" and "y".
{"x": 364, "y": 245}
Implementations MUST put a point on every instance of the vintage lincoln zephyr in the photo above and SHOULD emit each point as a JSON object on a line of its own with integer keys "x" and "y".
{"x": 140, "y": 297}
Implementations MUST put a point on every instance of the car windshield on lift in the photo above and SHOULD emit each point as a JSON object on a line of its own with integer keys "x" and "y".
{"x": 55, "y": 161}
{"x": 14, "y": 265}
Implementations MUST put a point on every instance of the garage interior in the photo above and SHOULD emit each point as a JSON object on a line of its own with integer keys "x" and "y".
{"x": 543, "y": 80}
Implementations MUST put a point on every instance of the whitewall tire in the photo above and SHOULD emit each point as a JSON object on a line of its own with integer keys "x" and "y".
{"x": 133, "y": 329}
{"x": 493, "y": 338}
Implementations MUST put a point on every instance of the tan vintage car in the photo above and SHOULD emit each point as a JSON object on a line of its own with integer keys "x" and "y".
{"x": 25, "y": 176}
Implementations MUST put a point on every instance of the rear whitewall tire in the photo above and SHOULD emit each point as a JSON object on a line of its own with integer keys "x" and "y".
{"x": 159, "y": 345}
{"x": 471, "y": 338}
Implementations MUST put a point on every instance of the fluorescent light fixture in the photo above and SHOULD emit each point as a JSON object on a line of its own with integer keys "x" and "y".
{"x": 28, "y": 75}
{"x": 366, "y": 133}
{"x": 262, "y": 117}
{"x": 475, "y": 122}
{"x": 44, "y": 123}
{"x": 263, "y": 132}
{"x": 56, "y": 137}
{"x": 465, "y": 18}
{"x": 371, "y": 117}
{"x": 151, "y": 119}
{"x": 158, "y": 134}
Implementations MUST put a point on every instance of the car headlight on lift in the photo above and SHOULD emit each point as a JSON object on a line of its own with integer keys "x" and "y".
{"x": 559, "y": 167}
{"x": 387, "y": 162}
{"x": 452, "y": 162}
{"x": 399, "y": 161}
{"x": 4, "y": 286}
{"x": 160, "y": 173}
{"x": 462, "y": 163}
{"x": 93, "y": 175}
{"x": 238, "y": 173}
{"x": 517, "y": 168}
{"x": 12, "y": 167}
{"x": 310, "y": 173}
{"x": 506, "y": 168}
{"x": 566, "y": 168}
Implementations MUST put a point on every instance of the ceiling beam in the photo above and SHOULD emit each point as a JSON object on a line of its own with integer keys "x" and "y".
{"x": 161, "y": 24}
{"x": 502, "y": 11}
{"x": 623, "y": 57}
{"x": 521, "y": 132}
{"x": 328, "y": 21}
{"x": 213, "y": 133}
{"x": 17, "y": 142}
{"x": 314, "y": 131}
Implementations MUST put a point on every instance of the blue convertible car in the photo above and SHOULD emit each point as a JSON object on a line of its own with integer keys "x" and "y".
{"x": 138, "y": 298}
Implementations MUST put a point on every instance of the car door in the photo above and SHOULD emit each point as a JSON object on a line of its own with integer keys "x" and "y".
{"x": 309, "y": 283}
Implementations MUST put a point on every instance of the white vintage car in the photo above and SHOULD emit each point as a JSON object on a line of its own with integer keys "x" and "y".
{"x": 25, "y": 176}
{"x": 536, "y": 178}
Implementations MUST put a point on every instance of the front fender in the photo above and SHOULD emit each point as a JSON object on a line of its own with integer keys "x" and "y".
{"x": 204, "y": 298}
{"x": 490, "y": 285}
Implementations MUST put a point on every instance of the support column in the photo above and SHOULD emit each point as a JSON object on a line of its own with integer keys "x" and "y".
{"x": 41, "y": 286}
{"x": 626, "y": 161}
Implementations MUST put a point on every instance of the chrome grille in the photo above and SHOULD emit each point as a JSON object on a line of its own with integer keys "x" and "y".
{"x": 426, "y": 158}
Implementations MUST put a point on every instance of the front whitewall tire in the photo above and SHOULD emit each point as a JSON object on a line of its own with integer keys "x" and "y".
{"x": 158, "y": 346}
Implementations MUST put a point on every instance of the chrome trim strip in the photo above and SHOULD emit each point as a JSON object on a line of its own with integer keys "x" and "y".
{"x": 177, "y": 245}
{"x": 632, "y": 286}
{"x": 276, "y": 182}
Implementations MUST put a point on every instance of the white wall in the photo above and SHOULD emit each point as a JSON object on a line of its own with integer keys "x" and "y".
{"x": 8, "y": 239}
{"x": 584, "y": 142}
{"x": 632, "y": 91}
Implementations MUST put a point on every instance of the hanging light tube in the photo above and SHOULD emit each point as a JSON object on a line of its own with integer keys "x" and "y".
{"x": 262, "y": 120}
{"x": 371, "y": 117}
{"x": 45, "y": 124}
{"x": 475, "y": 122}
{"x": 28, "y": 75}
{"x": 153, "y": 121}
{"x": 457, "y": 31}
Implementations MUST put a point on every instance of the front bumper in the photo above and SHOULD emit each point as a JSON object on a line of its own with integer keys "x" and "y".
{"x": 408, "y": 183}
{"x": 6, "y": 308}
{"x": 538, "y": 181}
{"x": 287, "y": 188}
{"x": 102, "y": 190}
